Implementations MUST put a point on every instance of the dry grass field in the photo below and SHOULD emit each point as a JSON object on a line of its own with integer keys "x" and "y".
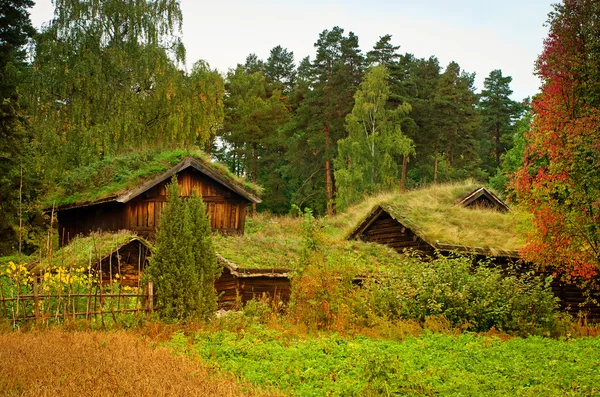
{"x": 59, "y": 363}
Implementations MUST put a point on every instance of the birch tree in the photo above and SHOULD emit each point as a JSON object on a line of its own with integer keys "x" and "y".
{"x": 368, "y": 158}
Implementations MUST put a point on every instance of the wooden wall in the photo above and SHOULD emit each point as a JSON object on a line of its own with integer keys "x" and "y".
{"x": 84, "y": 220}
{"x": 386, "y": 230}
{"x": 226, "y": 209}
{"x": 233, "y": 289}
{"x": 129, "y": 262}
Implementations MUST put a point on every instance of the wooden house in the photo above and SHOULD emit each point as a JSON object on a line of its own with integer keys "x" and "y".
{"x": 120, "y": 257}
{"x": 239, "y": 285}
{"x": 459, "y": 219}
{"x": 137, "y": 207}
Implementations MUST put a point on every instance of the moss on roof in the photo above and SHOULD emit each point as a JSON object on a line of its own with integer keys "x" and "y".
{"x": 113, "y": 176}
{"x": 83, "y": 251}
{"x": 433, "y": 214}
{"x": 276, "y": 242}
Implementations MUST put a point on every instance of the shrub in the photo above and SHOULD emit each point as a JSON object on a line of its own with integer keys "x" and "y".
{"x": 476, "y": 298}
{"x": 184, "y": 267}
{"x": 320, "y": 287}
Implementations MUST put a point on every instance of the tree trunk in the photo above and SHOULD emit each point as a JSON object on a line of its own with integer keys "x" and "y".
{"x": 435, "y": 165}
{"x": 403, "y": 179}
{"x": 328, "y": 177}
{"x": 254, "y": 171}
{"x": 497, "y": 145}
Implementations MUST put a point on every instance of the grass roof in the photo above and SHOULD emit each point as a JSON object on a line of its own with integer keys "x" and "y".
{"x": 276, "y": 241}
{"x": 433, "y": 214}
{"x": 113, "y": 176}
{"x": 83, "y": 251}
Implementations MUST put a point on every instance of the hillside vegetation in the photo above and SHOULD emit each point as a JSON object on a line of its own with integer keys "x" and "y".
{"x": 276, "y": 241}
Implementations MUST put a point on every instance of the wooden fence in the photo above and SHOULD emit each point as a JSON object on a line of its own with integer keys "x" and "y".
{"x": 98, "y": 302}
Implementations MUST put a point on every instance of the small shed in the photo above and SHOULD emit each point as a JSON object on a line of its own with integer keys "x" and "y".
{"x": 136, "y": 205}
{"x": 241, "y": 285}
{"x": 120, "y": 256}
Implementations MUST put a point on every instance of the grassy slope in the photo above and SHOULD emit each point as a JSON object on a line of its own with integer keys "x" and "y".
{"x": 434, "y": 211}
{"x": 113, "y": 176}
{"x": 276, "y": 241}
{"x": 83, "y": 250}
{"x": 431, "y": 364}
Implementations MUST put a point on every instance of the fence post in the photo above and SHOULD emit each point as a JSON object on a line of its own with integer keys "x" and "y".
{"x": 36, "y": 303}
{"x": 150, "y": 297}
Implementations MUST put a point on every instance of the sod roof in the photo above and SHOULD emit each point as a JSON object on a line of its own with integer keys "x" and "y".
{"x": 433, "y": 214}
{"x": 123, "y": 178}
{"x": 89, "y": 250}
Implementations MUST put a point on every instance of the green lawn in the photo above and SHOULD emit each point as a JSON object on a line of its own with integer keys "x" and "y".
{"x": 428, "y": 365}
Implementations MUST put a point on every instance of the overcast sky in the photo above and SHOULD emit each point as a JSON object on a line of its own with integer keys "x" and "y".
{"x": 481, "y": 35}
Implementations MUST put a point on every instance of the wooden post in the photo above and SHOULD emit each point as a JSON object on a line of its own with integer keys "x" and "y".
{"x": 150, "y": 298}
{"x": 36, "y": 310}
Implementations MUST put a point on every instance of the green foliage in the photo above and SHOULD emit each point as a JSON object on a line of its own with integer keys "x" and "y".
{"x": 512, "y": 160}
{"x": 15, "y": 31}
{"x": 367, "y": 159}
{"x": 457, "y": 121}
{"x": 428, "y": 365}
{"x": 499, "y": 115}
{"x": 107, "y": 80}
{"x": 477, "y": 298}
{"x": 252, "y": 130}
{"x": 183, "y": 266}
{"x": 113, "y": 175}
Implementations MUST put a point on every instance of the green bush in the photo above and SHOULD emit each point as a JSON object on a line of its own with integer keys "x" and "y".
{"x": 183, "y": 266}
{"x": 476, "y": 298}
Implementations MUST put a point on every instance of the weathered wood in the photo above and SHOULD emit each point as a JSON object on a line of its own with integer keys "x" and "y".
{"x": 140, "y": 212}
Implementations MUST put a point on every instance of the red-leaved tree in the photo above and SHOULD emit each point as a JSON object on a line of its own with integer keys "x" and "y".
{"x": 560, "y": 179}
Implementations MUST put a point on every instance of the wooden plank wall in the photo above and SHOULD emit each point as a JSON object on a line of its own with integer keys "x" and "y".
{"x": 388, "y": 231}
{"x": 232, "y": 289}
{"x": 105, "y": 217}
{"x": 226, "y": 209}
{"x": 129, "y": 262}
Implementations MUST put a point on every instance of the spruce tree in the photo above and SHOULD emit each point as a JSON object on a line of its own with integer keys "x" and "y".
{"x": 183, "y": 266}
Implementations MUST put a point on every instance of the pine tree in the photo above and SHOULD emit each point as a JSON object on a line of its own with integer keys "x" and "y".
{"x": 280, "y": 69}
{"x": 15, "y": 30}
{"x": 183, "y": 266}
{"x": 499, "y": 115}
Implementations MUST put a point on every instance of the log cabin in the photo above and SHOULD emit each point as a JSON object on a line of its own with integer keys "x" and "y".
{"x": 137, "y": 205}
{"x": 239, "y": 285}
{"x": 461, "y": 219}
{"x": 118, "y": 256}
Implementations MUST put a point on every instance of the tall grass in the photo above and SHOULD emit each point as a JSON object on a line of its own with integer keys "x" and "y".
{"x": 59, "y": 363}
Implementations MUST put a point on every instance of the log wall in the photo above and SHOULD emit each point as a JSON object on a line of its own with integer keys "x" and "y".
{"x": 386, "y": 230}
{"x": 233, "y": 290}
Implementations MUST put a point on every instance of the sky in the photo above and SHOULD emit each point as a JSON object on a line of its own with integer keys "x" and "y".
{"x": 480, "y": 35}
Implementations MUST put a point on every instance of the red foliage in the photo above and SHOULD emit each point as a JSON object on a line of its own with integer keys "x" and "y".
{"x": 560, "y": 179}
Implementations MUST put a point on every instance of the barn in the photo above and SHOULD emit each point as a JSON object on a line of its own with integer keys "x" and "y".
{"x": 460, "y": 218}
{"x": 133, "y": 199}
